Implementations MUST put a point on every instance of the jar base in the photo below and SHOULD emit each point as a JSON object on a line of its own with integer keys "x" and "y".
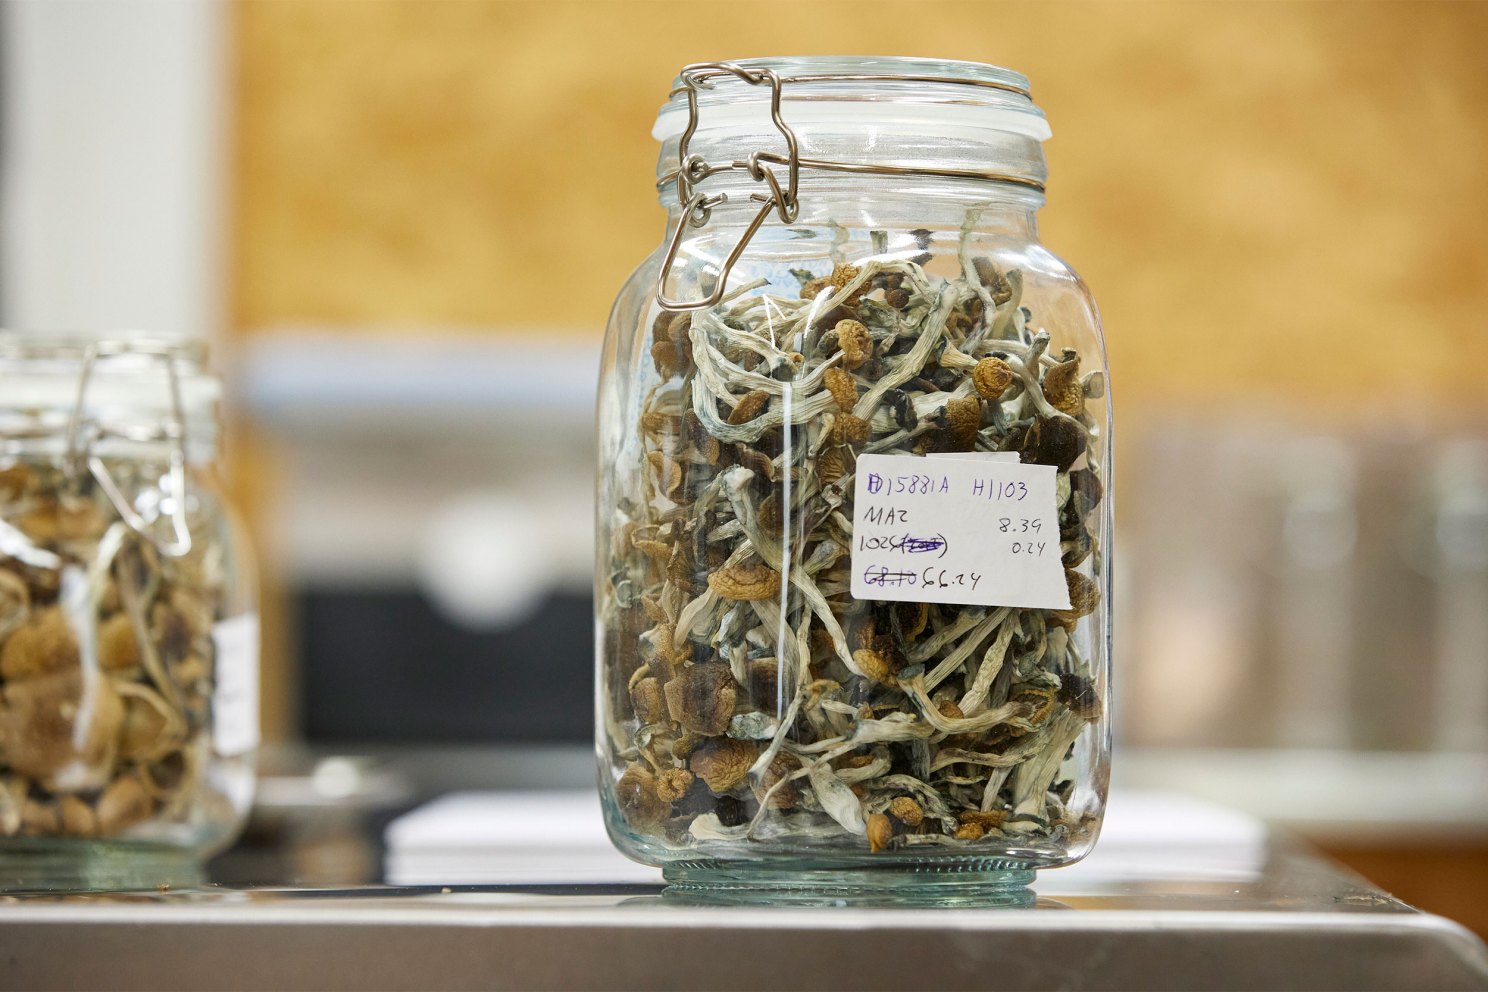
{"x": 33, "y": 865}
{"x": 982, "y": 883}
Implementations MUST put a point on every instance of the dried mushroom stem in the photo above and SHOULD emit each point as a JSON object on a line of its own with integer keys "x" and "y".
{"x": 755, "y": 701}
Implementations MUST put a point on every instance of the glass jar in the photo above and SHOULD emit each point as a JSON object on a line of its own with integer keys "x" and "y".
{"x": 854, "y": 515}
{"x": 128, "y": 625}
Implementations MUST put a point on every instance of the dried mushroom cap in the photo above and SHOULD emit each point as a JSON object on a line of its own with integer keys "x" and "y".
{"x": 659, "y": 551}
{"x": 746, "y": 582}
{"x": 997, "y": 285}
{"x": 992, "y": 377}
{"x": 1079, "y": 694}
{"x": 671, "y": 351}
{"x": 14, "y": 480}
{"x": 788, "y": 794}
{"x": 665, "y": 358}
{"x": 672, "y": 784}
{"x": 1084, "y": 594}
{"x": 812, "y": 288}
{"x": 756, "y": 461}
{"x": 1057, "y": 441}
{"x": 751, "y": 405}
{"x": 898, "y": 297}
{"x": 55, "y": 520}
{"x": 43, "y": 644}
{"x": 635, "y": 793}
{"x": 78, "y": 819}
{"x": 704, "y": 443}
{"x": 647, "y": 700}
{"x": 907, "y": 811}
{"x": 658, "y": 649}
{"x": 124, "y": 802}
{"x": 985, "y": 819}
{"x": 842, "y": 275}
{"x": 880, "y": 832}
{"x": 970, "y": 831}
{"x": 763, "y": 675}
{"x": 1062, "y": 386}
{"x": 669, "y": 476}
{"x": 963, "y": 421}
{"x": 150, "y": 729}
{"x": 39, "y": 723}
{"x": 701, "y": 698}
{"x": 831, "y": 465}
{"x": 1038, "y": 703}
{"x": 722, "y": 762}
{"x": 949, "y": 710}
{"x": 117, "y": 648}
{"x": 843, "y": 387}
{"x": 39, "y": 818}
{"x": 848, "y": 429}
{"x": 875, "y": 665}
{"x": 913, "y": 618}
{"x": 855, "y": 342}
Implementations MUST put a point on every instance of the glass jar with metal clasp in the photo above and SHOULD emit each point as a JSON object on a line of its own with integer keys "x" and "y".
{"x": 128, "y": 624}
{"x": 854, "y": 516}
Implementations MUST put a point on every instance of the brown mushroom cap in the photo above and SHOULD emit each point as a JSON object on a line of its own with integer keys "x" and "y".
{"x": 907, "y": 811}
{"x": 43, "y": 644}
{"x": 648, "y": 701}
{"x": 789, "y": 794}
{"x": 39, "y": 722}
{"x": 746, "y": 582}
{"x": 1062, "y": 386}
{"x": 672, "y": 784}
{"x": 701, "y": 698}
{"x": 751, "y": 405}
{"x": 635, "y": 794}
{"x": 124, "y": 803}
{"x": 880, "y": 832}
{"x": 117, "y": 648}
{"x": 963, "y": 421}
{"x": 992, "y": 377}
{"x": 77, "y": 817}
{"x": 722, "y": 762}
{"x": 848, "y": 429}
{"x": 875, "y": 665}
{"x": 843, "y": 389}
{"x": 1057, "y": 441}
{"x": 855, "y": 342}
{"x": 1084, "y": 594}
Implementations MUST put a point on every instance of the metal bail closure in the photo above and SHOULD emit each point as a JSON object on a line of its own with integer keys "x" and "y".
{"x": 697, "y": 207}
{"x": 175, "y": 433}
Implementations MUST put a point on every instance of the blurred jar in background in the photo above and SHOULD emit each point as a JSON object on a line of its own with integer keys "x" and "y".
{"x": 128, "y": 625}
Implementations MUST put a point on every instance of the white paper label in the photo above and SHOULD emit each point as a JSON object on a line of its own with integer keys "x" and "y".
{"x": 961, "y": 529}
{"x": 235, "y": 698}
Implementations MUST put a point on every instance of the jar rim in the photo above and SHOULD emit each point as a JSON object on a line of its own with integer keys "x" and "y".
{"x": 887, "y": 91}
{"x": 74, "y": 345}
{"x": 131, "y": 382}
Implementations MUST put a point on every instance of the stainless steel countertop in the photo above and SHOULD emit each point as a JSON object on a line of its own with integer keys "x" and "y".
{"x": 1290, "y": 920}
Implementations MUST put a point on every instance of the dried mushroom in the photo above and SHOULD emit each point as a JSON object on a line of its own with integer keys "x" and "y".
{"x": 107, "y": 658}
{"x": 756, "y": 701}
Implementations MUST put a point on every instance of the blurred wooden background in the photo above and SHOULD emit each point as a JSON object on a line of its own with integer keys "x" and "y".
{"x": 1268, "y": 199}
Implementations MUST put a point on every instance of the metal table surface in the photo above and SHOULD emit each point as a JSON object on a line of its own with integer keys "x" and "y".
{"x": 1289, "y": 921}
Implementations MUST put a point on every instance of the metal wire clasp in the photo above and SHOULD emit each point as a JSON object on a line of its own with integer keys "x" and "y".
{"x": 697, "y": 207}
{"x": 175, "y": 435}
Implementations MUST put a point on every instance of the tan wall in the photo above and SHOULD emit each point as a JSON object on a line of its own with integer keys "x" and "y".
{"x": 1265, "y": 196}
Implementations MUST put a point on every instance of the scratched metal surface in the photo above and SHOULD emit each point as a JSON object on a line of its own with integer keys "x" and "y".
{"x": 1292, "y": 921}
